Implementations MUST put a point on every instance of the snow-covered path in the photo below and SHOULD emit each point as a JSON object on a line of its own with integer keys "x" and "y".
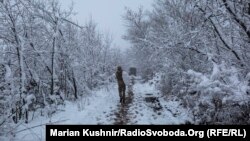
{"x": 149, "y": 107}
{"x": 145, "y": 106}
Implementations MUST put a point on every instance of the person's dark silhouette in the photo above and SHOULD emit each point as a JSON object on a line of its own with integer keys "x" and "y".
{"x": 121, "y": 84}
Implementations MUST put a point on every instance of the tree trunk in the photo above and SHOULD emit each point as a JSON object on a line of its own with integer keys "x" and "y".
{"x": 19, "y": 49}
{"x": 53, "y": 58}
{"x": 75, "y": 85}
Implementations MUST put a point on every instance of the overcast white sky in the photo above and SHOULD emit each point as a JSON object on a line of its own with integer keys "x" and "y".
{"x": 107, "y": 14}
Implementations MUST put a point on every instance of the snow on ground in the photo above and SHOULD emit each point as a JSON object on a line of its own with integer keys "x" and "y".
{"x": 149, "y": 107}
{"x": 96, "y": 109}
{"x": 102, "y": 107}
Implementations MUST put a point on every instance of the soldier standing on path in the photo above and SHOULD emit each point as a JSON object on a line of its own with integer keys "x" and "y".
{"x": 121, "y": 84}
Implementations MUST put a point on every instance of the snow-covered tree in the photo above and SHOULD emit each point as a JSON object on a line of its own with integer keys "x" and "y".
{"x": 179, "y": 37}
{"x": 46, "y": 58}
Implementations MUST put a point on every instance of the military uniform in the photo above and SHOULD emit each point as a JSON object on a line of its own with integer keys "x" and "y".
{"x": 121, "y": 84}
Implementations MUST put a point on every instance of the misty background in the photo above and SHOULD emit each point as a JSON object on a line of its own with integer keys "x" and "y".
{"x": 107, "y": 14}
